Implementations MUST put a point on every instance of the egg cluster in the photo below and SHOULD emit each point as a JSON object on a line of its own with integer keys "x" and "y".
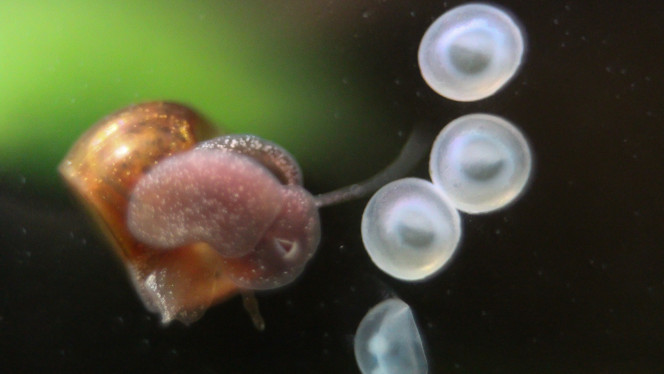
{"x": 479, "y": 163}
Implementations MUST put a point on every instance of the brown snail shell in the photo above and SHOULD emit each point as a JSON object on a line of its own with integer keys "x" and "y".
{"x": 101, "y": 169}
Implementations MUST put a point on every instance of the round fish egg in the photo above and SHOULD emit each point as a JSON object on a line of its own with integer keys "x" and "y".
{"x": 410, "y": 229}
{"x": 388, "y": 341}
{"x": 470, "y": 52}
{"x": 481, "y": 162}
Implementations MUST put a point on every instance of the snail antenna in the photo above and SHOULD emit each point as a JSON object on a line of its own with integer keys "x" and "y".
{"x": 411, "y": 154}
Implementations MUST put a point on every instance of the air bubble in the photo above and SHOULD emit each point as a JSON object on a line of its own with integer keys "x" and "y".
{"x": 481, "y": 162}
{"x": 470, "y": 52}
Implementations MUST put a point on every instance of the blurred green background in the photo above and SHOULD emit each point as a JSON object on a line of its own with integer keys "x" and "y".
{"x": 64, "y": 65}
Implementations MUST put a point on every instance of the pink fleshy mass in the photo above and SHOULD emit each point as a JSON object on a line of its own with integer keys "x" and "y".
{"x": 224, "y": 199}
{"x": 286, "y": 247}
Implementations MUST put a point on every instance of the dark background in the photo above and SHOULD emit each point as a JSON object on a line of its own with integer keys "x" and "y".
{"x": 569, "y": 279}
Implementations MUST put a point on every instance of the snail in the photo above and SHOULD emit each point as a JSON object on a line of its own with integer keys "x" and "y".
{"x": 197, "y": 216}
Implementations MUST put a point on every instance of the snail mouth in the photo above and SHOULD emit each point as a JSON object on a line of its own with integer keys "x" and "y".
{"x": 286, "y": 248}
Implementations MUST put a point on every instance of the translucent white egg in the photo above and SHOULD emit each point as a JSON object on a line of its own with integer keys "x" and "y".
{"x": 470, "y": 52}
{"x": 388, "y": 341}
{"x": 410, "y": 229}
{"x": 481, "y": 162}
